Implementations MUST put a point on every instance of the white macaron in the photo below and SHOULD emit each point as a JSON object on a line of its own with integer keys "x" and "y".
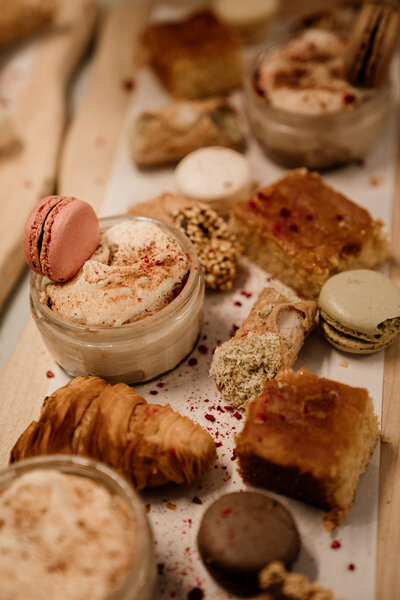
{"x": 215, "y": 175}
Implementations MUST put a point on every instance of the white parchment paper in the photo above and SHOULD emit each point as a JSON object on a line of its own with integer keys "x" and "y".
{"x": 175, "y": 512}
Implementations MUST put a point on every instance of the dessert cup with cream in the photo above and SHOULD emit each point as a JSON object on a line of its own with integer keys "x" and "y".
{"x": 73, "y": 528}
{"x": 301, "y": 109}
{"x": 134, "y": 310}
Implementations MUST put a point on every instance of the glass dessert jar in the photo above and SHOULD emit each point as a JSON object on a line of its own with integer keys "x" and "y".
{"x": 134, "y": 579}
{"x": 317, "y": 141}
{"x": 133, "y": 352}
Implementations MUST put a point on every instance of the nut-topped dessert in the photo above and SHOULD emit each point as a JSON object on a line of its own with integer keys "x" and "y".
{"x": 137, "y": 269}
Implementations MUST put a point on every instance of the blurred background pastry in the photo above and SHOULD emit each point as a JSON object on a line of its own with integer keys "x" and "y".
{"x": 171, "y": 132}
{"x": 251, "y": 19}
{"x": 19, "y": 18}
{"x": 195, "y": 57}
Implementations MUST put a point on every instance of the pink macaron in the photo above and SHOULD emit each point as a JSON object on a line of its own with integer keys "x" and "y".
{"x": 60, "y": 234}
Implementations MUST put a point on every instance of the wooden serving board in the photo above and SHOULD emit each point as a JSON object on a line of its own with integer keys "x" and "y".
{"x": 85, "y": 166}
{"x": 29, "y": 172}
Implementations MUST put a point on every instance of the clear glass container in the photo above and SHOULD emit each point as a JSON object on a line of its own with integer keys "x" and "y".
{"x": 131, "y": 353}
{"x": 139, "y": 583}
{"x": 315, "y": 141}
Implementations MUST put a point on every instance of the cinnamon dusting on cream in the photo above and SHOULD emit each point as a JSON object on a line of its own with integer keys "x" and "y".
{"x": 137, "y": 270}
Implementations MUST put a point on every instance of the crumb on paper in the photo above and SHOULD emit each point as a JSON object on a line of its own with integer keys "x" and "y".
{"x": 344, "y": 363}
{"x": 171, "y": 506}
{"x": 291, "y": 586}
{"x": 128, "y": 84}
{"x": 375, "y": 181}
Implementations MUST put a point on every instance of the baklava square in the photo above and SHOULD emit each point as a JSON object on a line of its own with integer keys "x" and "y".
{"x": 302, "y": 231}
{"x": 195, "y": 57}
{"x": 310, "y": 438}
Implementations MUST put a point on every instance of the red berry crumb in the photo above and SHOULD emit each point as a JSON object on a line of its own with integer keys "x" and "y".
{"x": 237, "y": 415}
{"x": 293, "y": 227}
{"x": 335, "y": 544}
{"x": 128, "y": 84}
{"x": 49, "y": 374}
{"x": 192, "y": 362}
{"x": 285, "y": 212}
{"x": 349, "y": 98}
{"x": 252, "y": 205}
{"x": 202, "y": 349}
{"x": 351, "y": 567}
{"x": 196, "y": 500}
{"x": 210, "y": 417}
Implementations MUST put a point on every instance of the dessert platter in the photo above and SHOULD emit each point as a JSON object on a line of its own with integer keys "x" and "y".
{"x": 199, "y": 406}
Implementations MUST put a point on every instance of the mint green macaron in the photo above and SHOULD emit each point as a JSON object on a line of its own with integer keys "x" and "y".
{"x": 360, "y": 311}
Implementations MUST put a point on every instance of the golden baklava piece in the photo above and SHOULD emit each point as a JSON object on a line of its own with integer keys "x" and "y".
{"x": 310, "y": 438}
{"x": 302, "y": 231}
{"x": 195, "y": 57}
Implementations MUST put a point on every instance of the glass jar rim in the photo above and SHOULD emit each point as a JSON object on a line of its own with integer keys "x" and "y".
{"x": 377, "y": 95}
{"x": 195, "y": 278}
{"x": 99, "y": 472}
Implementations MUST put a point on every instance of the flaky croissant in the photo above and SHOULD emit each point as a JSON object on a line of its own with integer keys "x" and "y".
{"x": 150, "y": 444}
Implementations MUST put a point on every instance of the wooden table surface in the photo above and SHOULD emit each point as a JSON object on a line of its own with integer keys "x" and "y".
{"x": 23, "y": 382}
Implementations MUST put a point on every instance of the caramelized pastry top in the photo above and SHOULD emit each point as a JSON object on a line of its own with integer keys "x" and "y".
{"x": 304, "y": 421}
{"x": 310, "y": 221}
{"x": 198, "y": 36}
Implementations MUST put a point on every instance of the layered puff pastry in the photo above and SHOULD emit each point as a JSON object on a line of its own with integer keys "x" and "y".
{"x": 149, "y": 444}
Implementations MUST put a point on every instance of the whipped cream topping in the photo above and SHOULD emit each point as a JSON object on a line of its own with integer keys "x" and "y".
{"x": 306, "y": 75}
{"x": 62, "y": 537}
{"x": 137, "y": 269}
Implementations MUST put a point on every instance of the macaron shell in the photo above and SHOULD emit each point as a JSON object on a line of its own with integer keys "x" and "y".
{"x": 70, "y": 236}
{"x": 359, "y": 42}
{"x": 217, "y": 175}
{"x": 371, "y": 45}
{"x": 352, "y": 344}
{"x": 384, "y": 44}
{"x": 360, "y": 300}
{"x": 34, "y": 228}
